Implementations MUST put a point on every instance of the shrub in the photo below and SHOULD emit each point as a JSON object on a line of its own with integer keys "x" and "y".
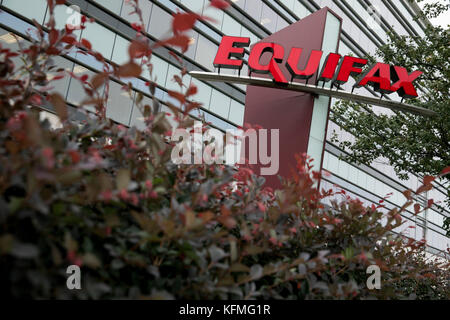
{"x": 107, "y": 198}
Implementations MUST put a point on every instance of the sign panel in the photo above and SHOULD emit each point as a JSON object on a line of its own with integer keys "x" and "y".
{"x": 292, "y": 75}
{"x": 336, "y": 68}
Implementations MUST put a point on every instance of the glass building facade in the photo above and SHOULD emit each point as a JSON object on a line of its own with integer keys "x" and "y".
{"x": 364, "y": 27}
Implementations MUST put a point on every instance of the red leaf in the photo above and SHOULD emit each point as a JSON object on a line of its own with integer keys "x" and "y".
{"x": 75, "y": 156}
{"x": 178, "y": 80}
{"x": 84, "y": 77}
{"x": 191, "y": 90}
{"x": 191, "y": 106}
{"x": 424, "y": 188}
{"x": 53, "y": 36}
{"x": 428, "y": 179}
{"x": 219, "y": 4}
{"x": 228, "y": 222}
{"x": 58, "y": 77}
{"x": 177, "y": 95}
{"x": 60, "y": 105}
{"x": 36, "y": 99}
{"x": 70, "y": 39}
{"x": 138, "y": 49}
{"x": 86, "y": 44}
{"x": 173, "y": 54}
{"x": 53, "y": 51}
{"x": 181, "y": 41}
{"x": 417, "y": 208}
{"x": 430, "y": 203}
{"x": 261, "y": 207}
{"x": 407, "y": 194}
{"x": 137, "y": 27}
{"x": 445, "y": 171}
{"x": 129, "y": 70}
{"x": 184, "y": 21}
{"x": 99, "y": 79}
{"x": 50, "y": 4}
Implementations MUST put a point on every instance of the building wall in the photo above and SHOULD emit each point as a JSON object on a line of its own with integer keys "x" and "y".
{"x": 365, "y": 23}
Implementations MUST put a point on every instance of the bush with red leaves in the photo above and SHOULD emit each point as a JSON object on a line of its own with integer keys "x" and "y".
{"x": 108, "y": 198}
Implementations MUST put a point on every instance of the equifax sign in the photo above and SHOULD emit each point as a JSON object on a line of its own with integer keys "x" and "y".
{"x": 383, "y": 77}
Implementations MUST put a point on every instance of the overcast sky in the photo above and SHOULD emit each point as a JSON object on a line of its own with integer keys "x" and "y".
{"x": 444, "y": 19}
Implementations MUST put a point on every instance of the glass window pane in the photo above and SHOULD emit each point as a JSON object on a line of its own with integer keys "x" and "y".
{"x": 194, "y": 6}
{"x": 8, "y": 41}
{"x": 230, "y": 27}
{"x": 61, "y": 85}
{"x": 76, "y": 92}
{"x": 300, "y": 10}
{"x": 246, "y": 33}
{"x": 237, "y": 111}
{"x": 203, "y": 94}
{"x": 145, "y": 6}
{"x": 31, "y": 9}
{"x": 169, "y": 116}
{"x": 268, "y": 18}
{"x": 281, "y": 23}
{"x": 220, "y": 104}
{"x": 137, "y": 119}
{"x": 217, "y": 15}
{"x": 158, "y": 26}
{"x": 119, "y": 104}
{"x": 170, "y": 83}
{"x": 190, "y": 53}
{"x": 111, "y": 5}
{"x": 64, "y": 15}
{"x": 239, "y": 3}
{"x": 159, "y": 73}
{"x": 333, "y": 163}
{"x": 206, "y": 51}
{"x": 254, "y": 8}
{"x": 102, "y": 39}
{"x": 289, "y": 3}
{"x": 120, "y": 54}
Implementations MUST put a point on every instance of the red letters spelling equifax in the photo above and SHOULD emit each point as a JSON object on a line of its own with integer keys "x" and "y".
{"x": 379, "y": 75}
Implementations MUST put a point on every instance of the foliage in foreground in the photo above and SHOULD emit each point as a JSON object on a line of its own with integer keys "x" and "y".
{"x": 107, "y": 198}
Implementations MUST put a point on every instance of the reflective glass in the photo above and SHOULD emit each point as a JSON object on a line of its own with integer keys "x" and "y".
{"x": 158, "y": 26}
{"x": 120, "y": 54}
{"x": 76, "y": 92}
{"x": 237, "y": 111}
{"x": 254, "y": 8}
{"x": 206, "y": 51}
{"x": 230, "y": 27}
{"x": 111, "y": 5}
{"x": 146, "y": 8}
{"x": 159, "y": 72}
{"x": 119, "y": 104}
{"x": 34, "y": 9}
{"x": 268, "y": 18}
{"x": 220, "y": 104}
{"x": 61, "y": 85}
{"x": 203, "y": 94}
{"x": 101, "y": 38}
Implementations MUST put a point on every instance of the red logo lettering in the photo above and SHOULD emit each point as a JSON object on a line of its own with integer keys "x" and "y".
{"x": 272, "y": 67}
{"x": 231, "y": 47}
